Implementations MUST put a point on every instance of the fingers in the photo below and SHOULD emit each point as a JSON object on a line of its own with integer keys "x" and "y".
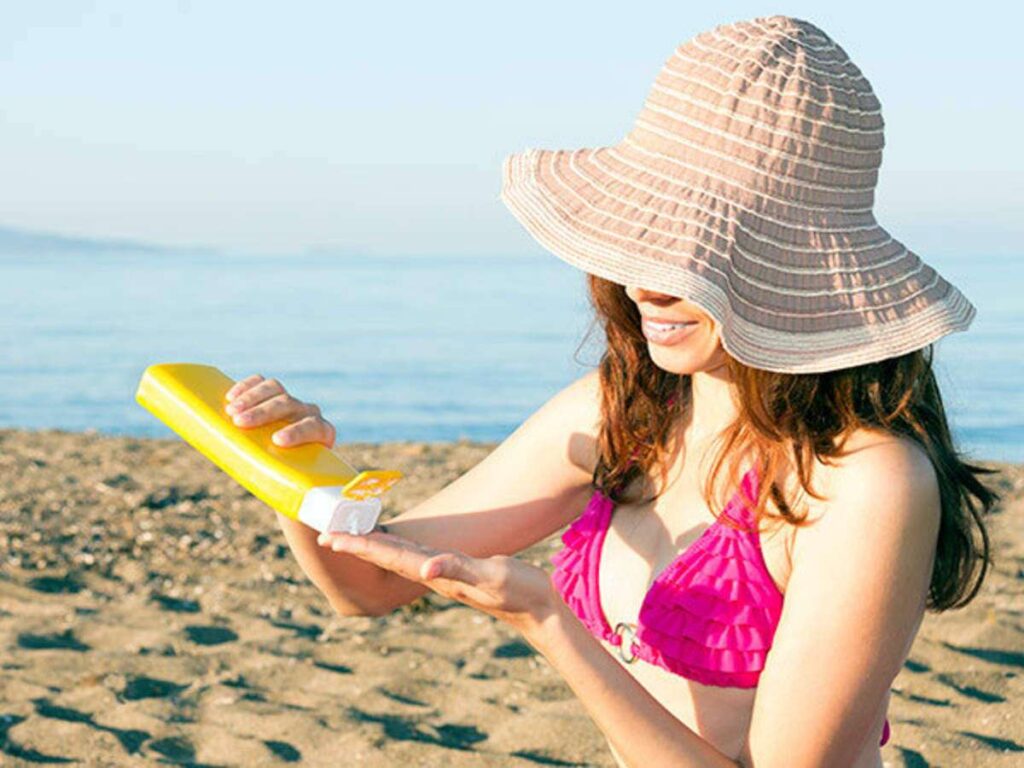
{"x": 407, "y": 558}
{"x": 241, "y": 386}
{"x": 447, "y": 566}
{"x": 457, "y": 575}
{"x": 309, "y": 429}
{"x": 282, "y": 406}
{"x": 254, "y": 394}
{"x": 389, "y": 551}
{"x": 255, "y": 401}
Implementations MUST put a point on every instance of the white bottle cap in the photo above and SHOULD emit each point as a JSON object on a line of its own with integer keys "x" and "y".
{"x": 325, "y": 510}
{"x": 355, "y": 516}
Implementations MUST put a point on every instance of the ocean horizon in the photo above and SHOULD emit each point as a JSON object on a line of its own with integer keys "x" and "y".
{"x": 390, "y": 347}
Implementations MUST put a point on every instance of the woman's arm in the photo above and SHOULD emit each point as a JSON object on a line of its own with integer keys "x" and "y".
{"x": 534, "y": 483}
{"x": 853, "y": 604}
{"x": 528, "y": 487}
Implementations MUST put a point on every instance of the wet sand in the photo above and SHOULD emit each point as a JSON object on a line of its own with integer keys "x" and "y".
{"x": 150, "y": 612}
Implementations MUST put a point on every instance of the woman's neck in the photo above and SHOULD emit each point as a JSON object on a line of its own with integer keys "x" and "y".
{"x": 712, "y": 404}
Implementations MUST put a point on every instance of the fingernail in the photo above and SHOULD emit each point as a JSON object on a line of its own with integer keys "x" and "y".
{"x": 242, "y": 418}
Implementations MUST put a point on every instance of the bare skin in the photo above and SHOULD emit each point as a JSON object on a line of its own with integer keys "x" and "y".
{"x": 709, "y": 725}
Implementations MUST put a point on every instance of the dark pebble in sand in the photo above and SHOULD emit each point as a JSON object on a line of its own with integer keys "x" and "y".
{"x": 996, "y": 743}
{"x": 970, "y": 691}
{"x": 210, "y": 635}
{"x": 65, "y": 641}
{"x": 450, "y": 735}
{"x": 168, "y": 497}
{"x": 991, "y": 655}
{"x": 176, "y": 748}
{"x": 542, "y": 759}
{"x": 311, "y": 631}
{"x": 513, "y": 649}
{"x": 56, "y": 584}
{"x": 150, "y": 688}
{"x": 912, "y": 759}
{"x": 176, "y": 604}
{"x": 121, "y": 480}
{"x": 284, "y": 751}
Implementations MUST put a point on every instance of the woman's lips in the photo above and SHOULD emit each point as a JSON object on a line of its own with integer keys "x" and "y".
{"x": 664, "y": 334}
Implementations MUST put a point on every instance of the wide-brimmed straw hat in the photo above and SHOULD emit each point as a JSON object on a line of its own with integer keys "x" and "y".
{"x": 746, "y": 186}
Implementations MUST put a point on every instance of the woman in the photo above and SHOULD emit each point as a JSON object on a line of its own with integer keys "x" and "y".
{"x": 761, "y": 490}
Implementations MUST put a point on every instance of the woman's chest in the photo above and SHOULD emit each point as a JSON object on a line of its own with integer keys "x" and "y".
{"x": 643, "y": 543}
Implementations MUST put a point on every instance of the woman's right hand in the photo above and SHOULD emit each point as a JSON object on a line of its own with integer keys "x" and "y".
{"x": 255, "y": 401}
{"x": 350, "y": 585}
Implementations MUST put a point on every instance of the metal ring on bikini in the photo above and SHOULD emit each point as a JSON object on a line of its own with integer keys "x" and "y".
{"x": 620, "y": 629}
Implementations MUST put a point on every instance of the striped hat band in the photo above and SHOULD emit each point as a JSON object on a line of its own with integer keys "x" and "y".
{"x": 746, "y": 186}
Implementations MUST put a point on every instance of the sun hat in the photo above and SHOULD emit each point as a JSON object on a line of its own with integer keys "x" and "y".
{"x": 746, "y": 186}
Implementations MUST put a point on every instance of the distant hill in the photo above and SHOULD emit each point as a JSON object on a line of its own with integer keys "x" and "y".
{"x": 23, "y": 241}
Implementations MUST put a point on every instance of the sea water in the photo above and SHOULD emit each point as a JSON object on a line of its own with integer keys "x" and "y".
{"x": 390, "y": 347}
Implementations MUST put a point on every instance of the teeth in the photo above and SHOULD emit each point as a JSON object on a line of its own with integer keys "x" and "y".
{"x": 664, "y": 326}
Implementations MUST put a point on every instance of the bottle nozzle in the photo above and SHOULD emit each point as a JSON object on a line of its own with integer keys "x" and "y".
{"x": 355, "y": 516}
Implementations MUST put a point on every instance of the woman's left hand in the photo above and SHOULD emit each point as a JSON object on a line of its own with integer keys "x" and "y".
{"x": 514, "y": 592}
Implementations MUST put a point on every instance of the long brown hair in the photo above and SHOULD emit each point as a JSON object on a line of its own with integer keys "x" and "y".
{"x": 789, "y": 419}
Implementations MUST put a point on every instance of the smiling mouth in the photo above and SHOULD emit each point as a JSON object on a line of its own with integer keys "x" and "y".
{"x": 666, "y": 333}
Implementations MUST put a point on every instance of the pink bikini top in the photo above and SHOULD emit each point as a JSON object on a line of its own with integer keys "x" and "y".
{"x": 709, "y": 616}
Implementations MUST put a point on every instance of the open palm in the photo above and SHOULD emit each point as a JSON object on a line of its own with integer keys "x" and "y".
{"x": 512, "y": 591}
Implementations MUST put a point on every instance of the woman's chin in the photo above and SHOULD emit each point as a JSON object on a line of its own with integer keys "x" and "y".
{"x": 690, "y": 355}
{"x": 679, "y": 359}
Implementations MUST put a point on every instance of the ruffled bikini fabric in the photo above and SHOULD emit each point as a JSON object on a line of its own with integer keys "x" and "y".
{"x": 709, "y": 616}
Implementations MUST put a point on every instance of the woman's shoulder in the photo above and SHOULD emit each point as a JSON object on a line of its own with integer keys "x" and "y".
{"x": 883, "y": 489}
{"x": 582, "y": 399}
{"x": 871, "y": 458}
{"x": 879, "y": 481}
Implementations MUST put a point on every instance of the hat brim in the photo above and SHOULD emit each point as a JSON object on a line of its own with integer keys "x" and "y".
{"x": 793, "y": 291}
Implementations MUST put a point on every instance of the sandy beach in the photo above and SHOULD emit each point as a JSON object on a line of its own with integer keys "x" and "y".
{"x": 150, "y": 612}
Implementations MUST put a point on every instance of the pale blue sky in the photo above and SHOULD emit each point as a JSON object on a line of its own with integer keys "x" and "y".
{"x": 380, "y": 127}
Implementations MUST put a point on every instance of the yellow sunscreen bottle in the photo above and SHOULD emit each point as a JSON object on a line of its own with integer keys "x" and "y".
{"x": 310, "y": 483}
